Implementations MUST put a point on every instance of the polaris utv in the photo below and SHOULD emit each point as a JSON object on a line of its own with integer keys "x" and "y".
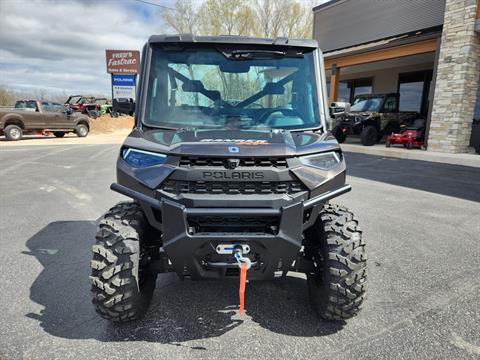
{"x": 231, "y": 170}
{"x": 372, "y": 116}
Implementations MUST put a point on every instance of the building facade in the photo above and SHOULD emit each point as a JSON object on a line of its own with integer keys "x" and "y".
{"x": 428, "y": 51}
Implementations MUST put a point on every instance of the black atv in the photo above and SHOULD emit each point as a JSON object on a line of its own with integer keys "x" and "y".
{"x": 230, "y": 170}
{"x": 372, "y": 116}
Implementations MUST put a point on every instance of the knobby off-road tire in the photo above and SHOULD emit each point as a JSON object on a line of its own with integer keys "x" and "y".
{"x": 369, "y": 135}
{"x": 337, "y": 287}
{"x": 121, "y": 288}
{"x": 339, "y": 135}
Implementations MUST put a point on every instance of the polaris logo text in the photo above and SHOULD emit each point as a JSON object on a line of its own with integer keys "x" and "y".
{"x": 233, "y": 175}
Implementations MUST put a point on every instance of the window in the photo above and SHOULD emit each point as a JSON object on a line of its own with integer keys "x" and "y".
{"x": 343, "y": 92}
{"x": 390, "y": 104}
{"x": 411, "y": 96}
{"x": 46, "y": 106}
{"x": 348, "y": 89}
{"x": 413, "y": 89}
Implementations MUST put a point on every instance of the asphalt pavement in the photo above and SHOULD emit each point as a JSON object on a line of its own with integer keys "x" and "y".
{"x": 422, "y": 225}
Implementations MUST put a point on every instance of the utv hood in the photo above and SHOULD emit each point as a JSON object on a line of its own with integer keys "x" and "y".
{"x": 228, "y": 143}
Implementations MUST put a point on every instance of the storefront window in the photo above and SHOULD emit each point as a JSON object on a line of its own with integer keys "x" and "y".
{"x": 411, "y": 96}
{"x": 348, "y": 89}
{"x": 343, "y": 91}
{"x": 413, "y": 89}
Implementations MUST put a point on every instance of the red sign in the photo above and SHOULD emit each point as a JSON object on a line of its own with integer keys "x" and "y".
{"x": 123, "y": 61}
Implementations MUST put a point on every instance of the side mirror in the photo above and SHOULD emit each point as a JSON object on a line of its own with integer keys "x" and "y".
{"x": 339, "y": 108}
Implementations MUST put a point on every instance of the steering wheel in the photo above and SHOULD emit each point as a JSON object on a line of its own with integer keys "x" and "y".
{"x": 286, "y": 112}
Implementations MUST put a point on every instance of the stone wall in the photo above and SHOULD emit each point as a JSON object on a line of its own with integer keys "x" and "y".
{"x": 458, "y": 74}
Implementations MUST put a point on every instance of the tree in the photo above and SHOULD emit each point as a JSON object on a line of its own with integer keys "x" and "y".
{"x": 7, "y": 97}
{"x": 262, "y": 18}
{"x": 289, "y": 18}
{"x": 184, "y": 19}
{"x": 225, "y": 17}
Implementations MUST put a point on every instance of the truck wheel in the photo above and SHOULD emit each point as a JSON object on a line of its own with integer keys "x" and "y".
{"x": 121, "y": 286}
{"x": 81, "y": 130}
{"x": 339, "y": 135}
{"x": 59, "y": 134}
{"x": 13, "y": 132}
{"x": 369, "y": 135}
{"x": 338, "y": 283}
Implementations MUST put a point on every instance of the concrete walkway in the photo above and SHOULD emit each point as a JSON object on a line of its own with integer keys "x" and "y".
{"x": 355, "y": 146}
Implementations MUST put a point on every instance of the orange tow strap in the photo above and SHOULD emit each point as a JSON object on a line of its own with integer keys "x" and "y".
{"x": 241, "y": 290}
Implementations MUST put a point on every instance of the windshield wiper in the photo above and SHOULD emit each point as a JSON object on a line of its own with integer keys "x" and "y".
{"x": 161, "y": 127}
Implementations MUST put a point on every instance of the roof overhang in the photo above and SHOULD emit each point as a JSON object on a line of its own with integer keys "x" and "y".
{"x": 386, "y": 49}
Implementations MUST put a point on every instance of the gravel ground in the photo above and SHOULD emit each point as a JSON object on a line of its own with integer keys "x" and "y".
{"x": 420, "y": 219}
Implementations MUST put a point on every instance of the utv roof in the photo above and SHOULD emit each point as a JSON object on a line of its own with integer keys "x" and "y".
{"x": 232, "y": 40}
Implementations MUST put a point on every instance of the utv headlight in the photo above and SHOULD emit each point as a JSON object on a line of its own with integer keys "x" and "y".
{"x": 324, "y": 161}
{"x": 142, "y": 158}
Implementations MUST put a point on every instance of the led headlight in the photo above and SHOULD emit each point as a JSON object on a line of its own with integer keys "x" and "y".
{"x": 324, "y": 161}
{"x": 142, "y": 158}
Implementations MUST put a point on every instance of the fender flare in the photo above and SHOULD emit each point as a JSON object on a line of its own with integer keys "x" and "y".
{"x": 12, "y": 119}
{"x": 82, "y": 120}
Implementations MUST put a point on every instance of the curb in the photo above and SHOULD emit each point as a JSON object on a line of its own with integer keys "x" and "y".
{"x": 472, "y": 160}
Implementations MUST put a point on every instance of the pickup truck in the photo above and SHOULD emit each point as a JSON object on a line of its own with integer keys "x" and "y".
{"x": 372, "y": 116}
{"x": 42, "y": 117}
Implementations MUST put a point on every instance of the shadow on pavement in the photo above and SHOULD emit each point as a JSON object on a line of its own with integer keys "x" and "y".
{"x": 445, "y": 179}
{"x": 180, "y": 310}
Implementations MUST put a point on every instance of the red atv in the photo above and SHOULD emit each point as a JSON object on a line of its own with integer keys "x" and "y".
{"x": 410, "y": 137}
{"x": 83, "y": 104}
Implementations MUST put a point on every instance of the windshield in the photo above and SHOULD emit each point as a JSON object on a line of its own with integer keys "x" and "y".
{"x": 236, "y": 89}
{"x": 73, "y": 99}
{"x": 367, "y": 103}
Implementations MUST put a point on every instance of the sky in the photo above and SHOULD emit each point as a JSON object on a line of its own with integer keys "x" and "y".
{"x": 58, "y": 46}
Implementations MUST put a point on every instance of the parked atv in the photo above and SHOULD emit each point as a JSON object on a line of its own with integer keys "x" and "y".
{"x": 372, "y": 116}
{"x": 123, "y": 106}
{"x": 83, "y": 104}
{"x": 231, "y": 172}
{"x": 103, "y": 106}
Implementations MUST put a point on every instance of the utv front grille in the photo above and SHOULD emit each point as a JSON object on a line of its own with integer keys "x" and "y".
{"x": 230, "y": 187}
{"x": 243, "y": 162}
{"x": 234, "y": 224}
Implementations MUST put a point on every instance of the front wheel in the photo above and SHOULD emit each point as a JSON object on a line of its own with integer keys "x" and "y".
{"x": 81, "y": 130}
{"x": 339, "y": 134}
{"x": 121, "y": 285}
{"x": 13, "y": 132}
{"x": 369, "y": 135}
{"x": 338, "y": 282}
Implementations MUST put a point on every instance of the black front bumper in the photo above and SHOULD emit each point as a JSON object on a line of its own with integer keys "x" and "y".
{"x": 193, "y": 253}
{"x": 192, "y": 249}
